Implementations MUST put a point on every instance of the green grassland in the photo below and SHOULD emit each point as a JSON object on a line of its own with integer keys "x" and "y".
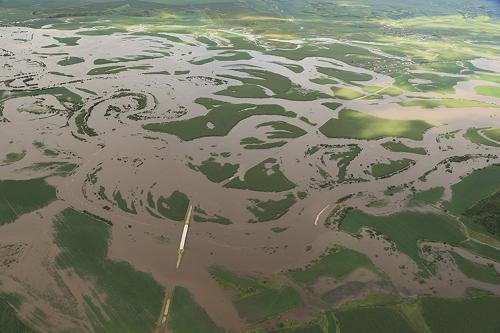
{"x": 70, "y": 100}
{"x": 467, "y": 315}
{"x": 215, "y": 171}
{"x": 107, "y": 70}
{"x": 19, "y": 197}
{"x": 173, "y": 207}
{"x": 406, "y": 229}
{"x": 14, "y": 157}
{"x": 387, "y": 90}
{"x": 447, "y": 103}
{"x": 488, "y": 91}
{"x": 428, "y": 197}
{"x": 493, "y": 133}
{"x": 201, "y": 216}
{"x": 343, "y": 75}
{"x": 429, "y": 83}
{"x": 265, "y": 177}
{"x": 322, "y": 322}
{"x": 56, "y": 168}
{"x": 358, "y": 125}
{"x": 281, "y": 86}
{"x": 243, "y": 91}
{"x": 256, "y": 143}
{"x": 383, "y": 170}
{"x": 390, "y": 313}
{"x": 474, "y": 136}
{"x": 482, "y": 250}
{"x": 473, "y": 188}
{"x": 282, "y": 130}
{"x": 400, "y": 147}
{"x": 132, "y": 300}
{"x": 476, "y": 271}
{"x": 373, "y": 320}
{"x": 122, "y": 203}
{"x": 337, "y": 263}
{"x": 221, "y": 118}
{"x": 187, "y": 316}
{"x": 256, "y": 299}
{"x": 347, "y": 93}
{"x": 486, "y": 212}
{"x": 124, "y": 59}
{"x": 270, "y": 210}
{"x": 9, "y": 322}
{"x": 68, "y": 41}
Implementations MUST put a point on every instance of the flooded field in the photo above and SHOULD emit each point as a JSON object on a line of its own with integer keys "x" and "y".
{"x": 332, "y": 178}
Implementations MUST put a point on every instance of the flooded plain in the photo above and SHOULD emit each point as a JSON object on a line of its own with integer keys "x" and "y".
{"x": 94, "y": 115}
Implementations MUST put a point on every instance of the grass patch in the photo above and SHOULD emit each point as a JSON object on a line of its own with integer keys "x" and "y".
{"x": 427, "y": 82}
{"x": 493, "y": 134}
{"x": 68, "y": 61}
{"x": 174, "y": 207}
{"x": 202, "y": 216}
{"x": 488, "y": 91}
{"x": 271, "y": 209}
{"x": 344, "y": 75}
{"x": 338, "y": 263}
{"x": 68, "y": 41}
{"x": 462, "y": 315}
{"x": 358, "y": 125}
{"x": 243, "y": 91}
{"x": 130, "y": 301}
{"x": 383, "y": 170}
{"x": 187, "y": 316}
{"x": 347, "y": 93}
{"x": 282, "y": 130}
{"x": 400, "y": 147}
{"x": 56, "y": 168}
{"x": 406, "y": 229}
{"x": 215, "y": 171}
{"x": 255, "y": 143}
{"x": 221, "y": 118}
{"x": 476, "y": 271}
{"x": 265, "y": 177}
{"x": 447, "y": 103}
{"x": 14, "y": 157}
{"x": 487, "y": 213}
{"x": 257, "y": 300}
{"x": 123, "y": 204}
{"x": 107, "y": 70}
{"x": 477, "y": 186}
{"x": 474, "y": 136}
{"x": 9, "y": 322}
{"x": 19, "y": 197}
{"x": 373, "y": 320}
{"x": 428, "y": 197}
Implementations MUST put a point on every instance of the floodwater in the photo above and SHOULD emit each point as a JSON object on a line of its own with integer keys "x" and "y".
{"x": 124, "y": 157}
